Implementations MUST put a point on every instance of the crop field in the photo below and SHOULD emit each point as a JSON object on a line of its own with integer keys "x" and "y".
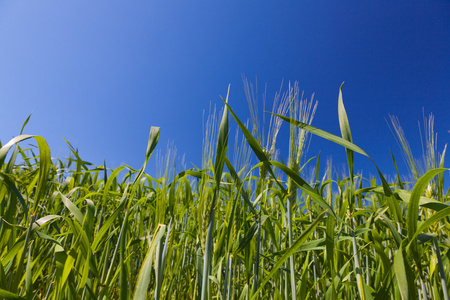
{"x": 230, "y": 229}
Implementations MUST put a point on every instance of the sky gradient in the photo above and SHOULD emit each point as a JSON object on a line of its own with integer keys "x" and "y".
{"x": 101, "y": 73}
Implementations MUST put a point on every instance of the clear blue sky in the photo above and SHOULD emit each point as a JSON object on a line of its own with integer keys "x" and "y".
{"x": 100, "y": 73}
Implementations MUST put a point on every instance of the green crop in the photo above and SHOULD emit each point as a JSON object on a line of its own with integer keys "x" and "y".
{"x": 231, "y": 229}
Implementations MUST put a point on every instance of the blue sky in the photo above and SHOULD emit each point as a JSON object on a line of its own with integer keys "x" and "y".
{"x": 101, "y": 73}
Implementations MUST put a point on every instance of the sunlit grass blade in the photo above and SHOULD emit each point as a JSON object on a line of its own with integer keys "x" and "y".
{"x": 72, "y": 208}
{"x": 405, "y": 278}
{"x": 143, "y": 279}
{"x": 413, "y": 209}
{"x": 345, "y": 132}
{"x": 440, "y": 187}
{"x": 44, "y": 162}
{"x": 44, "y": 169}
{"x": 11, "y": 186}
{"x": 5, "y": 148}
{"x": 152, "y": 142}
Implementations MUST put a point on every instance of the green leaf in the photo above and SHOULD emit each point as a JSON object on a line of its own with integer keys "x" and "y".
{"x": 323, "y": 134}
{"x": 8, "y": 295}
{"x": 423, "y": 238}
{"x": 412, "y": 213}
{"x": 72, "y": 208}
{"x": 398, "y": 239}
{"x": 44, "y": 169}
{"x": 400, "y": 273}
{"x": 441, "y": 175}
{"x": 247, "y": 237}
{"x": 143, "y": 280}
{"x": 222, "y": 143}
{"x": 4, "y": 150}
{"x": 345, "y": 132}
{"x": 428, "y": 222}
{"x": 423, "y": 201}
{"x": 152, "y": 142}
{"x": 9, "y": 182}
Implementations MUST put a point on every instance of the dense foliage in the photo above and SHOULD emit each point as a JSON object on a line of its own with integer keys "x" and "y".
{"x": 227, "y": 230}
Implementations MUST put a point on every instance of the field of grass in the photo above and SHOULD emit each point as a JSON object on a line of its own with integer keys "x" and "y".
{"x": 227, "y": 230}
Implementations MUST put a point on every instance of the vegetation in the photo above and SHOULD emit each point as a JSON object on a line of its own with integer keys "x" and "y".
{"x": 228, "y": 230}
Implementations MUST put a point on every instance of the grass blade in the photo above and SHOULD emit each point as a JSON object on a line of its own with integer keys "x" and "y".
{"x": 140, "y": 292}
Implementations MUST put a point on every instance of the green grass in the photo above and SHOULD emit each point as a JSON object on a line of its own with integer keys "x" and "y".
{"x": 70, "y": 230}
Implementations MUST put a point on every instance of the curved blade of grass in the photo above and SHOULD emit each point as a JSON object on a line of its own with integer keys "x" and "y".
{"x": 404, "y": 279}
{"x": 412, "y": 213}
{"x": 247, "y": 238}
{"x": 428, "y": 222}
{"x": 190, "y": 172}
{"x": 345, "y": 132}
{"x": 423, "y": 201}
{"x": 44, "y": 161}
{"x": 12, "y": 187}
{"x": 25, "y": 123}
{"x": 44, "y": 169}
{"x": 161, "y": 259}
{"x": 303, "y": 237}
{"x": 152, "y": 142}
{"x": 10, "y": 296}
{"x": 239, "y": 186}
{"x": 88, "y": 222}
{"x": 109, "y": 182}
{"x": 253, "y": 143}
{"x": 4, "y": 150}
{"x": 143, "y": 280}
{"x": 222, "y": 143}
{"x": 72, "y": 208}
{"x": 400, "y": 183}
{"x": 12, "y": 160}
{"x": 323, "y": 134}
{"x": 44, "y": 220}
{"x": 397, "y": 238}
{"x": 441, "y": 175}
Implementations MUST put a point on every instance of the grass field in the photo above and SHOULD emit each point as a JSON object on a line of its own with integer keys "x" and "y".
{"x": 227, "y": 230}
